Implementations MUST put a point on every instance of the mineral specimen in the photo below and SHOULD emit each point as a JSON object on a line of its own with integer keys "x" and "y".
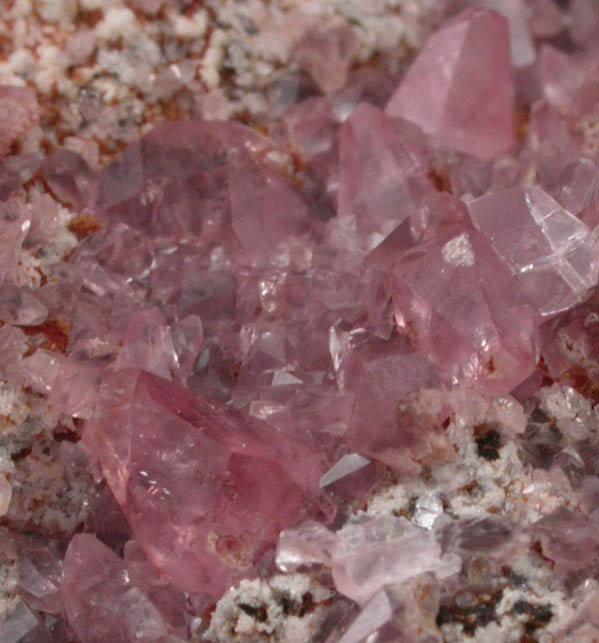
{"x": 314, "y": 363}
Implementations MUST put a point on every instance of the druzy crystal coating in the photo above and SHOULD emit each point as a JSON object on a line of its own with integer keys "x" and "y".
{"x": 354, "y": 345}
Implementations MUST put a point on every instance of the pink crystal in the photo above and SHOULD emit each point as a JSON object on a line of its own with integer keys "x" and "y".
{"x": 70, "y": 179}
{"x": 521, "y": 45}
{"x": 568, "y": 539}
{"x": 399, "y": 612}
{"x": 311, "y": 127}
{"x": 584, "y": 23}
{"x": 375, "y": 552}
{"x": 546, "y": 18}
{"x": 20, "y": 307}
{"x": 204, "y": 489}
{"x": 104, "y": 600}
{"x": 379, "y": 157}
{"x": 382, "y": 377}
{"x": 269, "y": 219}
{"x": 563, "y": 75}
{"x": 306, "y": 544}
{"x": 39, "y": 577}
{"x": 470, "y": 321}
{"x": 550, "y": 251}
{"x": 550, "y": 143}
{"x": 459, "y": 89}
{"x": 577, "y": 190}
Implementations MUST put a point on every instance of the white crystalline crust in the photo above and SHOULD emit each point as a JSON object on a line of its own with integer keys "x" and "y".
{"x": 254, "y": 610}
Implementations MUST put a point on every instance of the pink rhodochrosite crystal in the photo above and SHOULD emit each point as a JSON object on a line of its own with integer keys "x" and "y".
{"x": 469, "y": 319}
{"x": 551, "y": 253}
{"x": 205, "y": 489}
{"x": 109, "y": 599}
{"x": 459, "y": 89}
{"x": 375, "y": 552}
{"x": 380, "y": 156}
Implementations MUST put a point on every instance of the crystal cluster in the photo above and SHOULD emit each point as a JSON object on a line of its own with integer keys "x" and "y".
{"x": 330, "y": 376}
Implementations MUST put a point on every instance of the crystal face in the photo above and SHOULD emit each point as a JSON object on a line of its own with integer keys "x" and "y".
{"x": 550, "y": 251}
{"x": 299, "y": 322}
{"x": 460, "y": 89}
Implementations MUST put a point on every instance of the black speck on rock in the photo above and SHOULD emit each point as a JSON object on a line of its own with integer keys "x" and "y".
{"x": 488, "y": 441}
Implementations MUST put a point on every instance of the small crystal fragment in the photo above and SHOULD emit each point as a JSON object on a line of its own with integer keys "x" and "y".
{"x": 346, "y": 465}
{"x": 399, "y": 612}
{"x": 428, "y": 508}
{"x": 18, "y": 624}
{"x": 306, "y": 544}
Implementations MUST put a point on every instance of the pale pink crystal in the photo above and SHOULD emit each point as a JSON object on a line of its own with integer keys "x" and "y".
{"x": 40, "y": 574}
{"x": 382, "y": 376}
{"x": 205, "y": 489}
{"x": 569, "y": 539}
{"x": 549, "y": 142}
{"x": 399, "y": 612}
{"x": 584, "y": 23}
{"x": 311, "y": 126}
{"x": 269, "y": 219}
{"x": 20, "y": 624}
{"x": 379, "y": 156}
{"x": 375, "y": 552}
{"x": 564, "y": 75}
{"x": 104, "y": 601}
{"x": 459, "y": 89}
{"x": 546, "y": 18}
{"x": 20, "y": 307}
{"x": 550, "y": 252}
{"x": 309, "y": 543}
{"x": 521, "y": 45}
{"x": 577, "y": 190}
{"x": 470, "y": 320}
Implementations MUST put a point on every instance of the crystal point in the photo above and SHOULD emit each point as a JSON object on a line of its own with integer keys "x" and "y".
{"x": 459, "y": 89}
